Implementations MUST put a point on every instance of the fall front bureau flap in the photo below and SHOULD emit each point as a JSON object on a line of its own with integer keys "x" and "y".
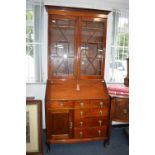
{"x": 67, "y": 89}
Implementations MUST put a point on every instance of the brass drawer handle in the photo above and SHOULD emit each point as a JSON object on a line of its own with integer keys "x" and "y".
{"x": 61, "y": 104}
{"x": 101, "y": 104}
{"x": 81, "y": 123}
{"x": 81, "y": 134}
{"x": 81, "y": 104}
{"x": 81, "y": 113}
{"x": 99, "y": 132}
{"x": 125, "y": 111}
{"x": 100, "y": 122}
{"x": 100, "y": 112}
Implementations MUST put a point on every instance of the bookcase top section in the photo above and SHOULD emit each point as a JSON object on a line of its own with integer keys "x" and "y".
{"x": 83, "y": 10}
{"x": 77, "y": 11}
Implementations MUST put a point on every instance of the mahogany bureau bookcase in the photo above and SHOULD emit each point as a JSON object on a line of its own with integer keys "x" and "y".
{"x": 77, "y": 103}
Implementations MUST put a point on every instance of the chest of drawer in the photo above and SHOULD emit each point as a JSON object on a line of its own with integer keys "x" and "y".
{"x": 96, "y": 112}
{"x": 90, "y": 132}
{"x": 90, "y": 122}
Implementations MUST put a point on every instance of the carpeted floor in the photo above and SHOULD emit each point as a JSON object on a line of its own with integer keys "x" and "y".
{"x": 119, "y": 145}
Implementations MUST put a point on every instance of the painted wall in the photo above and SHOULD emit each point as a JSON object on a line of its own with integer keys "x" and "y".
{"x": 95, "y": 4}
{"x": 38, "y": 90}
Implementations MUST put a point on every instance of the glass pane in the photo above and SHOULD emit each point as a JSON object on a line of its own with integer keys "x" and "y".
{"x": 62, "y": 47}
{"x": 92, "y": 48}
{"x": 29, "y": 15}
{"x": 29, "y": 34}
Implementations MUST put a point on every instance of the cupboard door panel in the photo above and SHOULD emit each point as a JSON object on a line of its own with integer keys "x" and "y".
{"x": 120, "y": 109}
{"x": 59, "y": 124}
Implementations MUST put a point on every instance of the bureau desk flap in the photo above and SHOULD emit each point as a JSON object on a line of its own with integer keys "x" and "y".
{"x": 69, "y": 89}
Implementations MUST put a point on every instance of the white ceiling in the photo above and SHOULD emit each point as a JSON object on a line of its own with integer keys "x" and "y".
{"x": 111, "y": 1}
{"x": 94, "y": 4}
{"x": 118, "y": 1}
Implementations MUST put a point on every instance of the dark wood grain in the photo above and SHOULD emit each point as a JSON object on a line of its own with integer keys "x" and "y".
{"x": 120, "y": 109}
{"x": 67, "y": 89}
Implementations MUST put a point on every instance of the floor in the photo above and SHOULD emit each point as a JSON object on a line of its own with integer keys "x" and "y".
{"x": 119, "y": 145}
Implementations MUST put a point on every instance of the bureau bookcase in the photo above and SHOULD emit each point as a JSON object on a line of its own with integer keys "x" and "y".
{"x": 77, "y": 101}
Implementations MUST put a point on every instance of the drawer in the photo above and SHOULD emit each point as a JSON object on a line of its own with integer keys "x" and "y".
{"x": 82, "y": 104}
{"x": 96, "y": 112}
{"x": 120, "y": 109}
{"x": 60, "y": 104}
{"x": 99, "y": 103}
{"x": 90, "y": 132}
{"x": 90, "y": 122}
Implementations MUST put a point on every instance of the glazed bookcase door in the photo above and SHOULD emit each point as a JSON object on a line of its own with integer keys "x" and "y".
{"x": 92, "y": 47}
{"x": 62, "y": 46}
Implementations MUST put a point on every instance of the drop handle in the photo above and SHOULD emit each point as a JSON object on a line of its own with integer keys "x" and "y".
{"x": 100, "y": 122}
{"x": 61, "y": 104}
{"x": 99, "y": 132}
{"x": 81, "y": 134}
{"x": 81, "y": 104}
{"x": 100, "y": 112}
{"x": 101, "y": 104}
{"x": 81, "y": 113}
{"x": 81, "y": 123}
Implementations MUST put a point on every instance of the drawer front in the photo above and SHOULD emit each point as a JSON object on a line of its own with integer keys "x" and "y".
{"x": 60, "y": 104}
{"x": 91, "y": 104}
{"x": 122, "y": 100}
{"x": 83, "y": 113}
{"x": 82, "y": 104}
{"x": 90, "y": 132}
{"x": 90, "y": 122}
{"x": 99, "y": 103}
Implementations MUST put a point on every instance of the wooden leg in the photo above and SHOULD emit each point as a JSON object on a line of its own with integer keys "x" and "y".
{"x": 106, "y": 142}
{"x": 48, "y": 147}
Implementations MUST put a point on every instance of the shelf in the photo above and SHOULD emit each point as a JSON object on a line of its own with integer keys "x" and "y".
{"x": 97, "y": 29}
{"x": 63, "y": 26}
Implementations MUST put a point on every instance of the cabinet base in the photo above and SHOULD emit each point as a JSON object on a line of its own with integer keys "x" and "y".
{"x": 69, "y": 141}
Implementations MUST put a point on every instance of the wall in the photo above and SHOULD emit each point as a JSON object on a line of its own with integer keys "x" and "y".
{"x": 38, "y": 90}
{"x": 97, "y": 4}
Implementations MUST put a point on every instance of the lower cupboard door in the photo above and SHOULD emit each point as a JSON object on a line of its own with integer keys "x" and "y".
{"x": 59, "y": 124}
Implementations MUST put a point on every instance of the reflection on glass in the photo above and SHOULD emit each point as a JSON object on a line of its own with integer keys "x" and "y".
{"x": 92, "y": 47}
{"x": 62, "y": 47}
